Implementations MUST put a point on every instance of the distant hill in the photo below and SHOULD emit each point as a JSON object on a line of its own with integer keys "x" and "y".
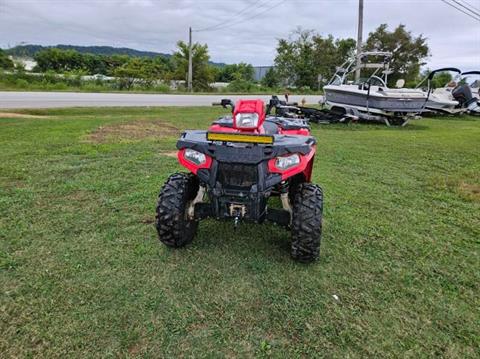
{"x": 31, "y": 50}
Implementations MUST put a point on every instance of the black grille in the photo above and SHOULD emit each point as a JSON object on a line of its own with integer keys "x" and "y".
{"x": 237, "y": 175}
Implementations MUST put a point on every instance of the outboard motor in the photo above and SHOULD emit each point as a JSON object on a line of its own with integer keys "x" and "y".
{"x": 463, "y": 95}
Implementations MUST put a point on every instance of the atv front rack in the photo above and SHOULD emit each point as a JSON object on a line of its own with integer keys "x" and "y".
{"x": 240, "y": 137}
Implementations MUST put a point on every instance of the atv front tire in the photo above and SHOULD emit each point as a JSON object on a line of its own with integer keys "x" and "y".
{"x": 307, "y": 222}
{"x": 173, "y": 227}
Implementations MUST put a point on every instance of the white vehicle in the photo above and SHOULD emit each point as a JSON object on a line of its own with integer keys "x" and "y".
{"x": 474, "y": 84}
{"x": 467, "y": 93}
{"x": 372, "y": 99}
{"x": 441, "y": 99}
{"x": 457, "y": 96}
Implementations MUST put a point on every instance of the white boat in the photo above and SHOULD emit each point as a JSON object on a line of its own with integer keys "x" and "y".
{"x": 371, "y": 98}
{"x": 457, "y": 96}
{"x": 464, "y": 93}
{"x": 473, "y": 84}
{"x": 441, "y": 99}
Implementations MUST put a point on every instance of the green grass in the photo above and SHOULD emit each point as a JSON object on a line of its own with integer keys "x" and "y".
{"x": 83, "y": 274}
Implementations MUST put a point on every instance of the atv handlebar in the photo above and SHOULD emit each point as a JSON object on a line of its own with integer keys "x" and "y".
{"x": 224, "y": 103}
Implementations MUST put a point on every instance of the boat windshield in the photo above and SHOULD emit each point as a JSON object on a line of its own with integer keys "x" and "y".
{"x": 475, "y": 83}
{"x": 377, "y": 81}
{"x": 337, "y": 80}
{"x": 374, "y": 81}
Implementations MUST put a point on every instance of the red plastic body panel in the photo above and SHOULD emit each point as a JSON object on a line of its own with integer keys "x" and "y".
{"x": 260, "y": 130}
{"x": 190, "y": 165}
{"x": 250, "y": 106}
{"x": 257, "y": 106}
{"x": 299, "y": 132}
{"x": 305, "y": 166}
{"x": 220, "y": 128}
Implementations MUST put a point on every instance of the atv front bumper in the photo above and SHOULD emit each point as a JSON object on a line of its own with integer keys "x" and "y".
{"x": 238, "y": 180}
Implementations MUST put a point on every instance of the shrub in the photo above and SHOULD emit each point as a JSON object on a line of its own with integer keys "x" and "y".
{"x": 50, "y": 77}
{"x": 162, "y": 88}
{"x": 21, "y": 83}
{"x": 241, "y": 86}
{"x": 93, "y": 87}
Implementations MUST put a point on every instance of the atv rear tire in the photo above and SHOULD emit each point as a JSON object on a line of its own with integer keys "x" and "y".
{"x": 307, "y": 222}
{"x": 173, "y": 227}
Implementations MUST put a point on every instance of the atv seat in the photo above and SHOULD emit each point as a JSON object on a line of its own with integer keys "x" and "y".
{"x": 270, "y": 128}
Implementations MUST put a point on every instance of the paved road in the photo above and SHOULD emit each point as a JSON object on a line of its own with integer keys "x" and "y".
{"x": 17, "y": 100}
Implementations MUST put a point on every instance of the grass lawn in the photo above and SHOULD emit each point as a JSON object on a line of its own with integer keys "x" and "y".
{"x": 83, "y": 274}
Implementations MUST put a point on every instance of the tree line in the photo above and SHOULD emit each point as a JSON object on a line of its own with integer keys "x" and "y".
{"x": 304, "y": 60}
{"x": 307, "y": 57}
{"x": 148, "y": 70}
{"x": 5, "y": 62}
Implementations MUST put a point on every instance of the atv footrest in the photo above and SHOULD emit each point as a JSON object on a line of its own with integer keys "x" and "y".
{"x": 278, "y": 216}
{"x": 204, "y": 210}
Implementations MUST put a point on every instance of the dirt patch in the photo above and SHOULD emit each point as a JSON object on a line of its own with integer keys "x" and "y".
{"x": 137, "y": 348}
{"x": 470, "y": 190}
{"x": 148, "y": 220}
{"x": 135, "y": 130}
{"x": 172, "y": 154}
{"x": 80, "y": 196}
{"x": 467, "y": 187}
{"x": 18, "y": 115}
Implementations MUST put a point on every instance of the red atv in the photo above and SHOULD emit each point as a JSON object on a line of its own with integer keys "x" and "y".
{"x": 236, "y": 166}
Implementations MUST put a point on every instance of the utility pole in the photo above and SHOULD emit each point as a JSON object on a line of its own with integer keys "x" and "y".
{"x": 359, "y": 38}
{"x": 190, "y": 88}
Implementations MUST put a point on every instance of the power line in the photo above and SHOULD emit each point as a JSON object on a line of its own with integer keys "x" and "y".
{"x": 226, "y": 21}
{"x": 467, "y": 8}
{"x": 223, "y": 25}
{"x": 459, "y": 9}
{"x": 213, "y": 27}
{"x": 250, "y": 17}
{"x": 470, "y": 5}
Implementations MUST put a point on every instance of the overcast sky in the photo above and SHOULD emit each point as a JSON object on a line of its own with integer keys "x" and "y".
{"x": 244, "y": 33}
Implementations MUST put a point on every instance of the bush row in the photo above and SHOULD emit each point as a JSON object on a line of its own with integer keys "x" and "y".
{"x": 50, "y": 81}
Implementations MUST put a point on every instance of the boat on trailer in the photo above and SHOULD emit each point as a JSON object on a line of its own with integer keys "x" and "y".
{"x": 441, "y": 99}
{"x": 475, "y": 84}
{"x": 460, "y": 95}
{"x": 371, "y": 99}
{"x": 457, "y": 96}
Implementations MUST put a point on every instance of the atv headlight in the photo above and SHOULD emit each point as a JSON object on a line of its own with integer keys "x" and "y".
{"x": 284, "y": 163}
{"x": 246, "y": 120}
{"x": 195, "y": 157}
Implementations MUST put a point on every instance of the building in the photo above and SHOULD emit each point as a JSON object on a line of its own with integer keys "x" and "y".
{"x": 260, "y": 72}
{"x": 27, "y": 63}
